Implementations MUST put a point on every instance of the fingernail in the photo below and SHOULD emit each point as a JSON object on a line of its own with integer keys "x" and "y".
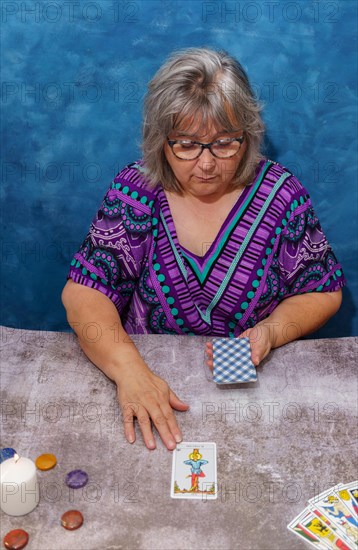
{"x": 151, "y": 443}
{"x": 131, "y": 439}
{"x": 178, "y": 438}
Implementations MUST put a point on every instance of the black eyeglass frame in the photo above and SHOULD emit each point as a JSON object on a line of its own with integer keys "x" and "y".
{"x": 172, "y": 142}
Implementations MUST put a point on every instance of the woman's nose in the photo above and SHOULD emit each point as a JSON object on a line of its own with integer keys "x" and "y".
{"x": 206, "y": 160}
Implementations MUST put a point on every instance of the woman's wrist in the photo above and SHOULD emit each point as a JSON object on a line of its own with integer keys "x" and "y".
{"x": 126, "y": 365}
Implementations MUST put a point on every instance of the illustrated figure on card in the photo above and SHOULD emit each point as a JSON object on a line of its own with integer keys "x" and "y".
{"x": 350, "y": 497}
{"x": 198, "y": 484}
{"x": 324, "y": 533}
{"x": 338, "y": 510}
{"x": 196, "y": 463}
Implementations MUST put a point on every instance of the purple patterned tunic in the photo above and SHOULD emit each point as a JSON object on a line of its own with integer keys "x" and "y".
{"x": 270, "y": 247}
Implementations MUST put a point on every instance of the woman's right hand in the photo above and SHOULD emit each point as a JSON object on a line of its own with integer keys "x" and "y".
{"x": 147, "y": 397}
{"x": 141, "y": 393}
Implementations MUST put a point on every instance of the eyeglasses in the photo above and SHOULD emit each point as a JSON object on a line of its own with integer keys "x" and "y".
{"x": 185, "y": 149}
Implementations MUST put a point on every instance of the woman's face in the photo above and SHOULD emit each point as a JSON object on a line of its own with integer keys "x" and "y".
{"x": 206, "y": 176}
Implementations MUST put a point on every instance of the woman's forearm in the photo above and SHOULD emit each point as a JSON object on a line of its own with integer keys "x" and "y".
{"x": 141, "y": 393}
{"x": 96, "y": 322}
{"x": 300, "y": 315}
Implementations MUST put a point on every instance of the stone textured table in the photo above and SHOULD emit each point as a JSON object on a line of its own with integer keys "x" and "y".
{"x": 280, "y": 441}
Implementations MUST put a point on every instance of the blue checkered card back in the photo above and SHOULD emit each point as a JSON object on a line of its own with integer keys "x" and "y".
{"x": 232, "y": 361}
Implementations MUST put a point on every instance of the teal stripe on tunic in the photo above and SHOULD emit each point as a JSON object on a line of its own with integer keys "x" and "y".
{"x": 201, "y": 275}
{"x": 206, "y": 316}
{"x": 174, "y": 248}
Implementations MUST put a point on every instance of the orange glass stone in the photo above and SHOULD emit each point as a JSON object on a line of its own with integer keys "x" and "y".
{"x": 72, "y": 519}
{"x": 16, "y": 539}
{"x": 46, "y": 462}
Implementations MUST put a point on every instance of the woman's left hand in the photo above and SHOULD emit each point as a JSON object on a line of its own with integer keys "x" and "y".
{"x": 260, "y": 342}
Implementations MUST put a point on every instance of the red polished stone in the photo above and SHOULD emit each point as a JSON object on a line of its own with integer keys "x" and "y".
{"x": 16, "y": 539}
{"x": 72, "y": 519}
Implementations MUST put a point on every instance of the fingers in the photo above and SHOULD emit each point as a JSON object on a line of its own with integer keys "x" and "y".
{"x": 254, "y": 344}
{"x": 132, "y": 411}
{"x": 255, "y": 357}
{"x": 177, "y": 403}
{"x": 209, "y": 353}
{"x": 165, "y": 423}
{"x": 128, "y": 422}
{"x": 259, "y": 342}
{"x": 146, "y": 428}
{"x": 163, "y": 417}
{"x": 154, "y": 407}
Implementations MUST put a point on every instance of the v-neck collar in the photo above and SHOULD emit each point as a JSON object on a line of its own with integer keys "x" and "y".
{"x": 201, "y": 265}
{"x": 200, "y": 260}
{"x": 178, "y": 285}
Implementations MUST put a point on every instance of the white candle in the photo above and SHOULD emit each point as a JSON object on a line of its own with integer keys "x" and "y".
{"x": 19, "y": 486}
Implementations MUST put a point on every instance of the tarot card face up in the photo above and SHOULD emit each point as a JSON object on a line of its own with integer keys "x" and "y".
{"x": 194, "y": 473}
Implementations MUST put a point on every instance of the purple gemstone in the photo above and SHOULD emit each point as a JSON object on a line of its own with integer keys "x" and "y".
{"x": 6, "y": 453}
{"x": 76, "y": 479}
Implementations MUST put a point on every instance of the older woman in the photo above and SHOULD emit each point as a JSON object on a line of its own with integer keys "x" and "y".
{"x": 203, "y": 236}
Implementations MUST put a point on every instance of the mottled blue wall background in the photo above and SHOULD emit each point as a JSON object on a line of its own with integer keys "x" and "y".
{"x": 74, "y": 74}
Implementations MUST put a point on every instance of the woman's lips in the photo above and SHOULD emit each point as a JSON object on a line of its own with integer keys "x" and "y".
{"x": 210, "y": 178}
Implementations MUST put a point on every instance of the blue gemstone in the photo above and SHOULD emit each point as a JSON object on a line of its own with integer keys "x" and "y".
{"x": 6, "y": 453}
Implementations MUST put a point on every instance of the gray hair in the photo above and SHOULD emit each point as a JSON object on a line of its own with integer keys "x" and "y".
{"x": 205, "y": 85}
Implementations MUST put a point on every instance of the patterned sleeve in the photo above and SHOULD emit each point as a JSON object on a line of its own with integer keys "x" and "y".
{"x": 111, "y": 256}
{"x": 305, "y": 261}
